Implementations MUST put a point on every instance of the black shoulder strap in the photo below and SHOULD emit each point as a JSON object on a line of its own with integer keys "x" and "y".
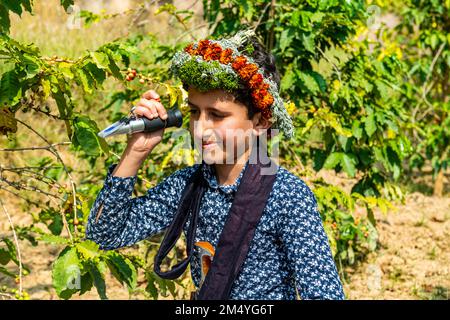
{"x": 189, "y": 203}
{"x": 237, "y": 234}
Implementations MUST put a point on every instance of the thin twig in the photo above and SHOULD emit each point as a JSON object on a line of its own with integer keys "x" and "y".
{"x": 425, "y": 90}
{"x": 331, "y": 62}
{"x": 430, "y": 71}
{"x": 36, "y": 148}
{"x": 12, "y": 169}
{"x": 47, "y": 113}
{"x": 16, "y": 241}
{"x": 206, "y": 24}
{"x": 72, "y": 183}
{"x": 271, "y": 36}
{"x": 38, "y": 176}
{"x": 261, "y": 16}
{"x": 19, "y": 186}
{"x": 10, "y": 296}
{"x": 20, "y": 196}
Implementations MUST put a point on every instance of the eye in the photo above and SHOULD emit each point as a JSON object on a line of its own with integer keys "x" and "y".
{"x": 217, "y": 115}
{"x": 192, "y": 111}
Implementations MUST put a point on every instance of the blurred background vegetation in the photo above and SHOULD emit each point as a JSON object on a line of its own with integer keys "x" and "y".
{"x": 366, "y": 83}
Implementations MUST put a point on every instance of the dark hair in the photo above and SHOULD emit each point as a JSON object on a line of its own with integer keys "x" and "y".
{"x": 266, "y": 62}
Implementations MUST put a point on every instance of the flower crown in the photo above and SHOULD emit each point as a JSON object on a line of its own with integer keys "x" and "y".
{"x": 218, "y": 64}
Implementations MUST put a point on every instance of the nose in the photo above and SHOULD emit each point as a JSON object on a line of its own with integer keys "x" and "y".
{"x": 202, "y": 128}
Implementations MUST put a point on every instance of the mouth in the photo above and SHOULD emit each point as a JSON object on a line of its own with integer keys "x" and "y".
{"x": 207, "y": 145}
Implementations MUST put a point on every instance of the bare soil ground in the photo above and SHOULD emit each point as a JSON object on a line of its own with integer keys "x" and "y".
{"x": 413, "y": 261}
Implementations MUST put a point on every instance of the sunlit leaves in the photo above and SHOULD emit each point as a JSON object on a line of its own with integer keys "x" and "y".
{"x": 85, "y": 137}
{"x": 66, "y": 273}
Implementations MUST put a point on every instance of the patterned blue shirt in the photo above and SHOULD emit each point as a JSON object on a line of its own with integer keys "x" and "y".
{"x": 289, "y": 251}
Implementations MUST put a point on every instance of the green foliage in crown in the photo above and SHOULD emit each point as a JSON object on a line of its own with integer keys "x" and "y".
{"x": 207, "y": 76}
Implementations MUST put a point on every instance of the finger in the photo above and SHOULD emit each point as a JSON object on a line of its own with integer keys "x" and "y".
{"x": 151, "y": 94}
{"x": 162, "y": 112}
{"x": 150, "y": 104}
{"x": 155, "y": 105}
{"x": 144, "y": 112}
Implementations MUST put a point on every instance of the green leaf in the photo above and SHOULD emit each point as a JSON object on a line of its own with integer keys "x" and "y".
{"x": 5, "y": 23}
{"x": 54, "y": 239}
{"x": 371, "y": 217}
{"x": 308, "y": 81}
{"x": 319, "y": 159}
{"x": 114, "y": 69}
{"x": 10, "y": 88}
{"x": 4, "y": 256}
{"x": 65, "y": 110}
{"x": 123, "y": 269}
{"x": 286, "y": 38}
{"x": 320, "y": 81}
{"x": 99, "y": 280}
{"x": 97, "y": 74}
{"x": 11, "y": 250}
{"x": 369, "y": 124}
{"x": 151, "y": 288}
{"x": 308, "y": 42}
{"x": 56, "y": 225}
{"x": 383, "y": 90}
{"x": 7, "y": 272}
{"x": 317, "y": 16}
{"x": 85, "y": 136}
{"x": 85, "y": 79}
{"x": 100, "y": 59}
{"x": 288, "y": 79}
{"x": 88, "y": 249}
{"x": 66, "y": 3}
{"x": 332, "y": 160}
{"x": 65, "y": 69}
{"x": 13, "y": 5}
{"x": 27, "y": 4}
{"x": 31, "y": 65}
{"x": 348, "y": 162}
{"x": 86, "y": 283}
{"x": 66, "y": 273}
{"x": 357, "y": 131}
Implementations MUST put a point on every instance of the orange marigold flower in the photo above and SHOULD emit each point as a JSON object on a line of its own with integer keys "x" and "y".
{"x": 225, "y": 56}
{"x": 262, "y": 98}
{"x": 248, "y": 71}
{"x": 239, "y": 62}
{"x": 267, "y": 100}
{"x": 255, "y": 81}
{"x": 207, "y": 55}
{"x": 202, "y": 46}
{"x": 212, "y": 52}
{"x": 190, "y": 49}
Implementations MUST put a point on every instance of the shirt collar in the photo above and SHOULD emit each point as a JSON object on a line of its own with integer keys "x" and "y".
{"x": 209, "y": 173}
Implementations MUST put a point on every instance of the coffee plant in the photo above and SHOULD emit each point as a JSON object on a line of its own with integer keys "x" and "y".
{"x": 366, "y": 110}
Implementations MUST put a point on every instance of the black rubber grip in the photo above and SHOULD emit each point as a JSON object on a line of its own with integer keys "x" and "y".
{"x": 174, "y": 119}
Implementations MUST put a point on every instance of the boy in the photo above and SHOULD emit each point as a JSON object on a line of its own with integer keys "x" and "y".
{"x": 261, "y": 243}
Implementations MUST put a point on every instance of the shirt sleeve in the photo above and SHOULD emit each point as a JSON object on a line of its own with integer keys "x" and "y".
{"x": 118, "y": 220}
{"x": 308, "y": 249}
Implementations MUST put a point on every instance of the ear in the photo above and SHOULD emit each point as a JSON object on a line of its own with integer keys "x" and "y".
{"x": 260, "y": 124}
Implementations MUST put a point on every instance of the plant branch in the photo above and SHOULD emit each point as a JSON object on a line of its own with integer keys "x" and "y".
{"x": 49, "y": 147}
{"x": 16, "y": 242}
{"x": 55, "y": 152}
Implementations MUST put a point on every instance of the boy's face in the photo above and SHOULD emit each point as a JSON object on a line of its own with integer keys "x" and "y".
{"x": 220, "y": 126}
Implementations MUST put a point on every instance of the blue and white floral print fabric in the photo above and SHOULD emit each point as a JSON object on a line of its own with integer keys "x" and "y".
{"x": 289, "y": 251}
